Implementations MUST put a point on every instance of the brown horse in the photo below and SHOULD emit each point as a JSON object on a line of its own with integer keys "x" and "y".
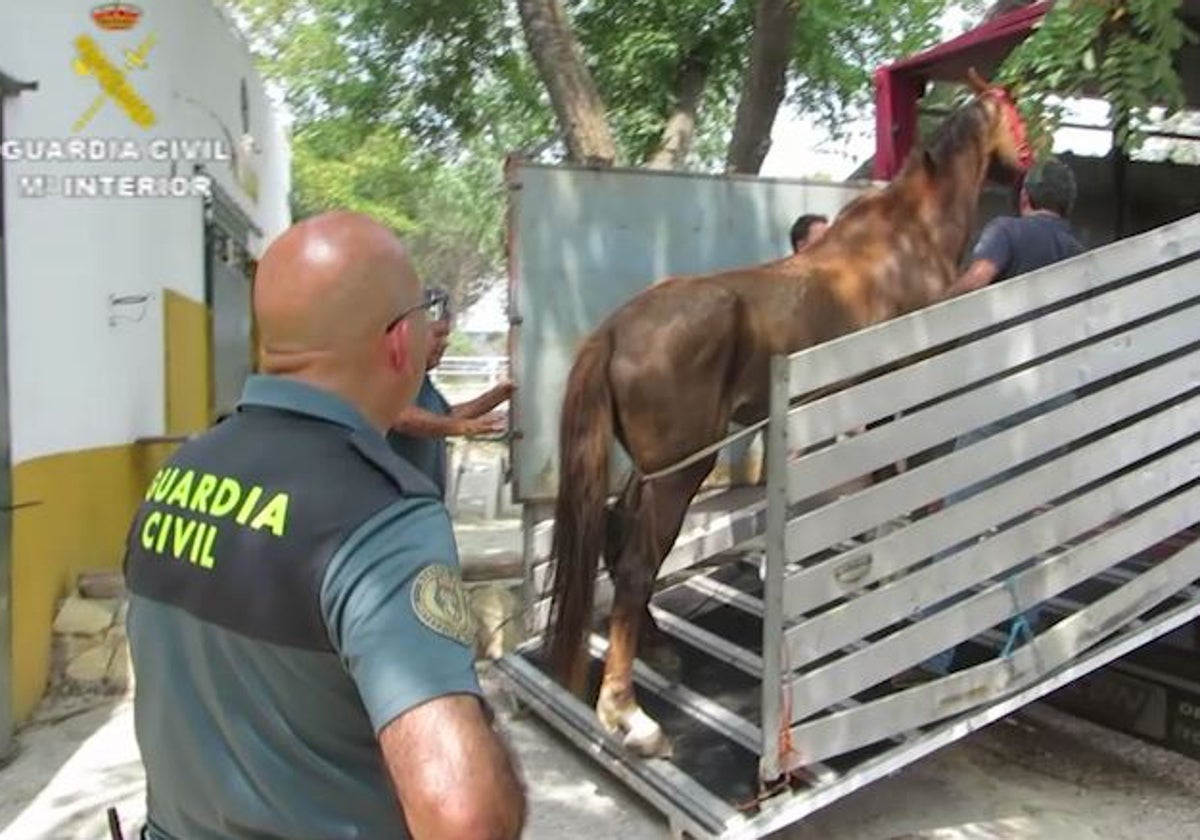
{"x": 667, "y": 372}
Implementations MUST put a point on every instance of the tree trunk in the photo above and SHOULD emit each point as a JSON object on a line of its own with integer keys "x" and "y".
{"x": 764, "y": 84}
{"x": 559, "y": 60}
{"x": 680, "y": 128}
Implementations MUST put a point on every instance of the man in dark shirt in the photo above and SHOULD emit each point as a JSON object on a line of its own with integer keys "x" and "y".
{"x": 1009, "y": 247}
{"x": 307, "y": 670}
{"x": 419, "y": 432}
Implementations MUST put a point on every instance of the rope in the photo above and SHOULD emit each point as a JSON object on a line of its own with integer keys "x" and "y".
{"x": 1020, "y": 622}
{"x": 704, "y": 453}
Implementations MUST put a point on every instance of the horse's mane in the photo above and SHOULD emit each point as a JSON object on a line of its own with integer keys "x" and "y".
{"x": 962, "y": 128}
{"x": 959, "y": 130}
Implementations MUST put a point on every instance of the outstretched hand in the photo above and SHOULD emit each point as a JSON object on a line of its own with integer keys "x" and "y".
{"x": 489, "y": 424}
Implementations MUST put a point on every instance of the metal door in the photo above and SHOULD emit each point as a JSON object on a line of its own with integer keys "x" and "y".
{"x": 6, "y": 685}
{"x": 227, "y": 281}
{"x": 8, "y": 87}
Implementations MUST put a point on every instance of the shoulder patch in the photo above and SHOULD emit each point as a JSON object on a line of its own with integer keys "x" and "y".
{"x": 440, "y": 602}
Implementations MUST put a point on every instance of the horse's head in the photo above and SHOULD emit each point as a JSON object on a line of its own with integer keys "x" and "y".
{"x": 1006, "y": 141}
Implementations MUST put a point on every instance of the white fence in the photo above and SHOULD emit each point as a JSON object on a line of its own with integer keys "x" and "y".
{"x": 465, "y": 376}
{"x": 452, "y": 369}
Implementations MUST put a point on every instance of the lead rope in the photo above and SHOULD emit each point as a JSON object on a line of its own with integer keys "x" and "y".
{"x": 705, "y": 452}
{"x": 1020, "y": 622}
{"x": 787, "y": 749}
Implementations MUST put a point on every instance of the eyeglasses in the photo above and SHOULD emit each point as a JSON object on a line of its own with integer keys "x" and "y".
{"x": 435, "y": 301}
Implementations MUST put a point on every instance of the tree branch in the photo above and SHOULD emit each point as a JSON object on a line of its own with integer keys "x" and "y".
{"x": 764, "y": 85}
{"x": 680, "y": 128}
{"x": 573, "y": 94}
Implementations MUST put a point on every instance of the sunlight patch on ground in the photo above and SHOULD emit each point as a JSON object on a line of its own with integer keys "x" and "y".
{"x": 1011, "y": 828}
{"x": 104, "y": 771}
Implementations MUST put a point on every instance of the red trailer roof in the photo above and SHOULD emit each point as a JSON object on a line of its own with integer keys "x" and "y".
{"x": 899, "y": 86}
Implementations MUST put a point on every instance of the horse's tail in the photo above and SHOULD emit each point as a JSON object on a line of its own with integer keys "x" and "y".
{"x": 586, "y": 432}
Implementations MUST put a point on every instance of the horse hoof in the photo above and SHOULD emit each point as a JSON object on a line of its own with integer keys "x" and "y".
{"x": 640, "y": 734}
{"x": 650, "y": 745}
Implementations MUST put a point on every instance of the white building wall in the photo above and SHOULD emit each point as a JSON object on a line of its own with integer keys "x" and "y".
{"x": 83, "y": 373}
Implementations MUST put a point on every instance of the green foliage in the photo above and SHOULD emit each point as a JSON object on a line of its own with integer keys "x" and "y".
{"x": 405, "y": 110}
{"x": 1119, "y": 50}
{"x": 450, "y": 216}
{"x": 365, "y": 141}
{"x": 448, "y": 74}
{"x": 635, "y": 49}
{"x": 340, "y": 163}
{"x": 841, "y": 42}
{"x": 443, "y": 72}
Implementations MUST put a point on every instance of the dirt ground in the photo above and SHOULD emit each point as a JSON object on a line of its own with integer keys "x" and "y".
{"x": 1038, "y": 774}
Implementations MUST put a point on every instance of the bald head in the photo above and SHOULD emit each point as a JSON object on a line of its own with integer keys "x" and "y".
{"x": 324, "y": 293}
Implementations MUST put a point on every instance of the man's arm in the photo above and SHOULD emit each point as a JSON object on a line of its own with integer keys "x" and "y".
{"x": 979, "y": 274}
{"x": 400, "y": 621}
{"x": 993, "y": 253}
{"x": 485, "y": 402}
{"x": 421, "y": 423}
{"x": 452, "y": 772}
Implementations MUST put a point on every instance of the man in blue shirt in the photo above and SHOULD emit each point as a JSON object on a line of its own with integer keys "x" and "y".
{"x": 1009, "y": 247}
{"x": 419, "y": 431}
{"x": 1040, "y": 236}
{"x": 297, "y": 622}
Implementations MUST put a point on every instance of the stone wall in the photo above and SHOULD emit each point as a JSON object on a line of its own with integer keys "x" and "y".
{"x": 91, "y": 655}
{"x": 499, "y": 625}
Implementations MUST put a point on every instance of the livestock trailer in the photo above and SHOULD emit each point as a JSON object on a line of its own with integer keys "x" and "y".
{"x": 794, "y": 609}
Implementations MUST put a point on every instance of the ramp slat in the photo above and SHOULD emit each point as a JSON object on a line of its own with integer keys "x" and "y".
{"x": 878, "y": 346}
{"x": 812, "y": 587}
{"x": 994, "y": 555}
{"x": 844, "y": 731}
{"x": 812, "y": 532}
{"x": 917, "y": 432}
{"x": 710, "y": 643}
{"x": 813, "y": 691}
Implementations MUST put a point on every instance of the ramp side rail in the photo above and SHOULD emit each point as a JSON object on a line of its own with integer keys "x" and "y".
{"x": 1095, "y": 366}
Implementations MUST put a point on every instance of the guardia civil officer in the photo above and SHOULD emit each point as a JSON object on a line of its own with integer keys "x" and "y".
{"x": 301, "y": 640}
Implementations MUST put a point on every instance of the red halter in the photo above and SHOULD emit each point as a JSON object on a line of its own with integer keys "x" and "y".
{"x": 1015, "y": 124}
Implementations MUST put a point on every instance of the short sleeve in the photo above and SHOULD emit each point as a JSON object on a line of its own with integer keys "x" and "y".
{"x": 397, "y": 613}
{"x": 995, "y": 245}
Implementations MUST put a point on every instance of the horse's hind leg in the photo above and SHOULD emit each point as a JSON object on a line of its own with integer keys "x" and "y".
{"x": 660, "y": 510}
{"x": 655, "y": 648}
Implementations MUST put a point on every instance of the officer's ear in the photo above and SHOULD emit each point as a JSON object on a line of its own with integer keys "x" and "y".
{"x": 398, "y": 343}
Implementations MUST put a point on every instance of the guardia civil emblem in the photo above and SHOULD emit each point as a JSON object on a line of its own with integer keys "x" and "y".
{"x": 440, "y": 602}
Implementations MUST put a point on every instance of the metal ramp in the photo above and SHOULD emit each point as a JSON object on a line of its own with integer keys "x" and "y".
{"x": 1073, "y": 547}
